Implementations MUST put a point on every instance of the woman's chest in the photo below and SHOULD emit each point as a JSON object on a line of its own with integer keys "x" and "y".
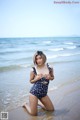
{"x": 42, "y": 71}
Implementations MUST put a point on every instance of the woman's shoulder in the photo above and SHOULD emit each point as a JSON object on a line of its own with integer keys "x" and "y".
{"x": 49, "y": 65}
{"x": 33, "y": 69}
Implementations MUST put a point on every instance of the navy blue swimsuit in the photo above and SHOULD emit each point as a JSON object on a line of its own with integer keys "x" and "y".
{"x": 40, "y": 87}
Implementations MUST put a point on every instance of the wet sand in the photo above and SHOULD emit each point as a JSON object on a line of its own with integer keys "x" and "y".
{"x": 66, "y": 100}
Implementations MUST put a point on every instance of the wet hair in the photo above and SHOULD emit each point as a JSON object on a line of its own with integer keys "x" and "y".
{"x": 43, "y": 56}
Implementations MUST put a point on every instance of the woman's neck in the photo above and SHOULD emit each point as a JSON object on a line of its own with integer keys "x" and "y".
{"x": 40, "y": 66}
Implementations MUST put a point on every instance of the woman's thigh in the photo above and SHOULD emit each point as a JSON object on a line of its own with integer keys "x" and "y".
{"x": 47, "y": 103}
{"x": 33, "y": 103}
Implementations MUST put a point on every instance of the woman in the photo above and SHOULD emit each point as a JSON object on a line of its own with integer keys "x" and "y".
{"x": 40, "y": 75}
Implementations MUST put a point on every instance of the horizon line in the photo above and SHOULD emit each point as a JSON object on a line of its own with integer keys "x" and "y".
{"x": 40, "y": 36}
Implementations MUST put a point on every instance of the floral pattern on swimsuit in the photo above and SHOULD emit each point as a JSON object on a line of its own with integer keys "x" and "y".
{"x": 40, "y": 87}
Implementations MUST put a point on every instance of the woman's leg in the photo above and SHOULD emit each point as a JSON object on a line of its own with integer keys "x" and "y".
{"x": 46, "y": 103}
{"x": 40, "y": 104}
{"x": 32, "y": 106}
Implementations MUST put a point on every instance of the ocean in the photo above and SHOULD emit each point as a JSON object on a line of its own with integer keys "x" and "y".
{"x": 16, "y": 59}
{"x": 18, "y": 52}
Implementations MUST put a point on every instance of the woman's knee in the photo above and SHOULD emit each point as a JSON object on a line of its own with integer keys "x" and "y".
{"x": 50, "y": 109}
{"x": 48, "y": 103}
{"x": 34, "y": 113}
{"x": 34, "y": 110}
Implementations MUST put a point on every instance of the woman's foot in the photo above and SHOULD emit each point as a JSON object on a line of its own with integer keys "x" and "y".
{"x": 25, "y": 106}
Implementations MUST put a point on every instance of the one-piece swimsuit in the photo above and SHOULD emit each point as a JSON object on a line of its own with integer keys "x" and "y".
{"x": 40, "y": 87}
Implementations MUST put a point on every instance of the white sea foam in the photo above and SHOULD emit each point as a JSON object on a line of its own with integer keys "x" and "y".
{"x": 71, "y": 47}
{"x": 46, "y": 42}
{"x": 63, "y": 55}
{"x": 25, "y": 65}
{"x": 8, "y": 94}
{"x": 56, "y": 49}
{"x": 5, "y": 102}
{"x": 52, "y": 56}
{"x": 69, "y": 43}
{"x": 59, "y": 55}
{"x": 53, "y": 88}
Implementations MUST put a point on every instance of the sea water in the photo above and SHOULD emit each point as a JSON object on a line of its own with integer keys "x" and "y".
{"x": 16, "y": 59}
{"x": 18, "y": 52}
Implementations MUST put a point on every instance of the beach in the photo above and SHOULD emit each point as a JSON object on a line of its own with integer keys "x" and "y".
{"x": 15, "y": 64}
{"x": 65, "y": 97}
{"x": 66, "y": 102}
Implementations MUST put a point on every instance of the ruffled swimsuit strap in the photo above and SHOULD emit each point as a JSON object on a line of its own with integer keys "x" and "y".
{"x": 50, "y": 69}
{"x": 34, "y": 70}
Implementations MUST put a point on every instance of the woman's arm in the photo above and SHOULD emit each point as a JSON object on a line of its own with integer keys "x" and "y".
{"x": 34, "y": 78}
{"x": 51, "y": 74}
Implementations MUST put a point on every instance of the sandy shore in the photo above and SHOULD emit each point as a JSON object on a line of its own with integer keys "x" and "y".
{"x": 64, "y": 92}
{"x": 66, "y": 101}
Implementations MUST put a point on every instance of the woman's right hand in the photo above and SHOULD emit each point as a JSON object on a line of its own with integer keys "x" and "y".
{"x": 38, "y": 77}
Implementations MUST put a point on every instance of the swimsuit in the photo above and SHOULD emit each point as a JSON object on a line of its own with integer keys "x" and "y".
{"x": 40, "y": 87}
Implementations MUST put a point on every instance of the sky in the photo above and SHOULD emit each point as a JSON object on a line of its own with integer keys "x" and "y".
{"x": 39, "y": 18}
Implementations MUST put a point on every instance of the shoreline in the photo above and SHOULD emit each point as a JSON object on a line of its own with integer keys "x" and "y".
{"x": 19, "y": 81}
{"x": 66, "y": 101}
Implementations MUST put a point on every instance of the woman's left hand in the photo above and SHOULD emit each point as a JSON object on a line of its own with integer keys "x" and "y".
{"x": 47, "y": 76}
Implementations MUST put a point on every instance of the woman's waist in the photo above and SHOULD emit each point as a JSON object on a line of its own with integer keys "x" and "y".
{"x": 43, "y": 82}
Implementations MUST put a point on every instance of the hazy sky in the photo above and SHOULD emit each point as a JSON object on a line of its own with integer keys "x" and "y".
{"x": 38, "y": 18}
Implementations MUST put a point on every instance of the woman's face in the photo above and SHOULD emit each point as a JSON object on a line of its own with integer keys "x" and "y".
{"x": 39, "y": 60}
